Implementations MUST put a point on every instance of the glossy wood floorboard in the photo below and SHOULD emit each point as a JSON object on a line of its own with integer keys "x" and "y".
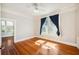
{"x": 28, "y": 47}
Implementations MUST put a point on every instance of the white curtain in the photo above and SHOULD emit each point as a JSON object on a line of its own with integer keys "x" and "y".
{"x": 49, "y": 29}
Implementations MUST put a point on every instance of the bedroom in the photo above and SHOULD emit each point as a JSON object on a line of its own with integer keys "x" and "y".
{"x": 24, "y": 21}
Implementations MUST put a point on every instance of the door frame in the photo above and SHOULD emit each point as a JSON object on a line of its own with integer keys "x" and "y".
{"x": 12, "y": 20}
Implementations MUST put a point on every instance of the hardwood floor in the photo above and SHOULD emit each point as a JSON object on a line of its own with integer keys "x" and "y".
{"x": 38, "y": 46}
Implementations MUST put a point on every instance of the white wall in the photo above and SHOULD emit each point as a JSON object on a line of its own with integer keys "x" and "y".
{"x": 37, "y": 25}
{"x": 24, "y": 28}
{"x": 77, "y": 26}
{"x": 67, "y": 19}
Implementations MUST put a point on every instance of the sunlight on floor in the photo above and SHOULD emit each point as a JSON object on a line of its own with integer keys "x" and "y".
{"x": 39, "y": 42}
{"x": 47, "y": 47}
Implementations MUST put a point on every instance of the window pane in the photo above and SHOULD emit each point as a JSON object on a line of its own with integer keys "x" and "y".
{"x": 3, "y": 26}
{"x": 9, "y": 23}
{"x": 9, "y": 28}
{"x": 3, "y": 23}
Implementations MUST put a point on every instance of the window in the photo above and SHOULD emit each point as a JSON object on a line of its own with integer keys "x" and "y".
{"x": 50, "y": 26}
{"x": 7, "y": 28}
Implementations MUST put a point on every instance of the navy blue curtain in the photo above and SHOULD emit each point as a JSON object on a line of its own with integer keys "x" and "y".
{"x": 42, "y": 22}
{"x": 55, "y": 20}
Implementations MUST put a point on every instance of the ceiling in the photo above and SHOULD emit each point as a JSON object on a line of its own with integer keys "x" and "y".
{"x": 28, "y": 8}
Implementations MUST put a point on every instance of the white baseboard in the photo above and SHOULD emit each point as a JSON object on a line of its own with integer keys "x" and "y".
{"x": 23, "y": 39}
{"x": 67, "y": 43}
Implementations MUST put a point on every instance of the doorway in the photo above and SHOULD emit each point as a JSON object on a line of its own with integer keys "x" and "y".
{"x": 7, "y": 35}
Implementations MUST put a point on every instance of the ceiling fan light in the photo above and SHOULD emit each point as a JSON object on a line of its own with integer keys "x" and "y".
{"x": 36, "y": 10}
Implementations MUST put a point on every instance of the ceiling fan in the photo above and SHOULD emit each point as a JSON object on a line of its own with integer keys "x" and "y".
{"x": 38, "y": 8}
{"x": 35, "y": 6}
